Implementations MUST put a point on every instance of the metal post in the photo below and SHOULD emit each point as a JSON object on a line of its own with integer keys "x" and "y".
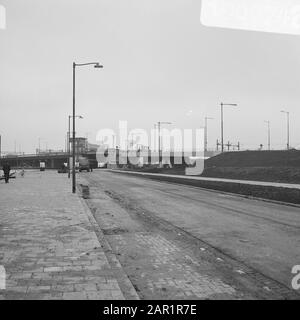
{"x": 222, "y": 121}
{"x": 155, "y": 139}
{"x": 205, "y": 135}
{"x": 69, "y": 150}
{"x": 288, "y": 130}
{"x": 269, "y": 135}
{"x": 73, "y": 141}
{"x": 159, "y": 141}
{"x": 96, "y": 65}
{"x": 222, "y": 129}
{"x": 159, "y": 157}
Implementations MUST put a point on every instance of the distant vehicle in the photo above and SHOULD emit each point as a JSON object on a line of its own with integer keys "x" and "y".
{"x": 84, "y": 164}
{"x": 42, "y": 166}
{"x": 63, "y": 169}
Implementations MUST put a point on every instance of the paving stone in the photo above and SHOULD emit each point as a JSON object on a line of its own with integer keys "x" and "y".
{"x": 86, "y": 287}
{"x": 74, "y": 296}
{"x": 49, "y": 247}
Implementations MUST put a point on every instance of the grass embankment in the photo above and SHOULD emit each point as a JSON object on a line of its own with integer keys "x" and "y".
{"x": 268, "y": 166}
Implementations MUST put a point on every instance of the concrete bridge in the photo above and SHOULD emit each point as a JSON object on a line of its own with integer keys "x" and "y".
{"x": 51, "y": 160}
{"x": 55, "y": 160}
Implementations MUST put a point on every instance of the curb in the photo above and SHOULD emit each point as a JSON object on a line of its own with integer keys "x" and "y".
{"x": 156, "y": 178}
{"x": 125, "y": 284}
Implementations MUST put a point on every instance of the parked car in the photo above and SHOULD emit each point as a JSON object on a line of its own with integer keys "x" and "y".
{"x": 84, "y": 164}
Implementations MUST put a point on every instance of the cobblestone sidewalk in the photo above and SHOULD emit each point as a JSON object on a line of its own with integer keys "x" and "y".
{"x": 48, "y": 245}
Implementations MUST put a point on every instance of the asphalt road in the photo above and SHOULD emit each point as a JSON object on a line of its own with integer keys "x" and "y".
{"x": 262, "y": 235}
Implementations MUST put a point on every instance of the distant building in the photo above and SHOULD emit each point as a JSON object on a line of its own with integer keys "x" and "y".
{"x": 92, "y": 147}
{"x": 81, "y": 145}
{"x": 47, "y": 151}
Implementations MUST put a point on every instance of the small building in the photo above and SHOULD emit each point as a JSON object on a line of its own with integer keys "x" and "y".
{"x": 81, "y": 145}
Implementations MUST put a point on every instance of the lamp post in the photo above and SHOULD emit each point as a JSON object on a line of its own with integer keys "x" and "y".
{"x": 40, "y": 139}
{"x": 69, "y": 149}
{"x": 222, "y": 122}
{"x": 205, "y": 133}
{"x": 288, "y": 128}
{"x": 155, "y": 137}
{"x": 133, "y": 134}
{"x": 269, "y": 135}
{"x": 96, "y": 65}
{"x": 159, "y": 142}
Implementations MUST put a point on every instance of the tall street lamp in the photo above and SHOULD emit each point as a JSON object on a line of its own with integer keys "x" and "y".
{"x": 222, "y": 121}
{"x": 155, "y": 137}
{"x": 159, "y": 123}
{"x": 40, "y": 139}
{"x": 96, "y": 65}
{"x": 288, "y": 128}
{"x": 205, "y": 133}
{"x": 269, "y": 134}
{"x": 69, "y": 150}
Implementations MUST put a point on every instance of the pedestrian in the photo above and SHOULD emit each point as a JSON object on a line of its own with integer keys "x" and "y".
{"x": 6, "y": 170}
{"x": 22, "y": 173}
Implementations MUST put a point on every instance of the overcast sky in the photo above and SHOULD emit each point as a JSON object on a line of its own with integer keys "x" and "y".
{"x": 160, "y": 64}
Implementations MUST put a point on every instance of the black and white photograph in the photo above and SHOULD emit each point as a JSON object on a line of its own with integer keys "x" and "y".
{"x": 149, "y": 151}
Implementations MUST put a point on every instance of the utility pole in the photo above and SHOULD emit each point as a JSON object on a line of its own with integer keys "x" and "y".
{"x": 73, "y": 134}
{"x": 114, "y": 137}
{"x": 155, "y": 137}
{"x": 206, "y": 133}
{"x": 222, "y": 121}
{"x": 236, "y": 146}
{"x": 269, "y": 135}
{"x": 96, "y": 65}
{"x": 69, "y": 149}
{"x": 159, "y": 158}
{"x": 288, "y": 128}
{"x": 218, "y": 144}
{"x": 159, "y": 142}
{"x": 228, "y": 145}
